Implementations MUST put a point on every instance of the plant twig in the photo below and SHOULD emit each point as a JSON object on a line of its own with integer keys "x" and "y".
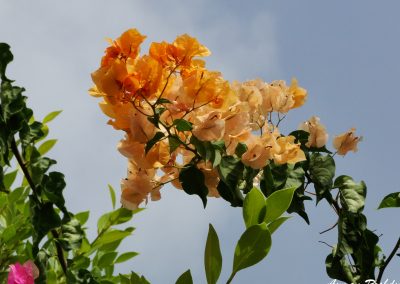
{"x": 60, "y": 253}
{"x": 330, "y": 228}
{"x": 385, "y": 264}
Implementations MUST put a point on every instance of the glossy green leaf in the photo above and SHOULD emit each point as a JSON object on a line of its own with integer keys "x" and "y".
{"x": 254, "y": 208}
{"x": 107, "y": 259}
{"x": 82, "y": 217}
{"x": 277, "y": 203}
{"x": 46, "y": 146}
{"x": 233, "y": 195}
{"x": 16, "y": 194}
{"x": 274, "y": 225}
{"x": 174, "y": 143}
{"x": 212, "y": 256}
{"x": 136, "y": 279}
{"x": 322, "y": 172}
{"x": 252, "y": 247}
{"x": 126, "y": 256}
{"x": 156, "y": 138}
{"x": 110, "y": 237}
{"x": 390, "y": 201}
{"x": 230, "y": 170}
{"x": 71, "y": 235}
{"x": 192, "y": 180}
{"x": 352, "y": 194}
{"x": 183, "y": 125}
{"x": 185, "y": 278}
{"x": 44, "y": 218}
{"x": 163, "y": 101}
{"x": 8, "y": 234}
{"x": 51, "y": 116}
{"x": 53, "y": 185}
{"x": 9, "y": 179}
{"x": 5, "y": 58}
{"x": 116, "y": 217}
{"x": 112, "y": 195}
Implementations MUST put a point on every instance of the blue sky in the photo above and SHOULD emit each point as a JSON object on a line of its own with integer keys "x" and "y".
{"x": 345, "y": 53}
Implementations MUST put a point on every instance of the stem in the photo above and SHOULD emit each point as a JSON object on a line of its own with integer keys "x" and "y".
{"x": 330, "y": 228}
{"x": 383, "y": 267}
{"x": 231, "y": 278}
{"x": 60, "y": 253}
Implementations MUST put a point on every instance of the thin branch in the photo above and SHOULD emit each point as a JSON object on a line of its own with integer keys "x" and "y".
{"x": 60, "y": 253}
{"x": 325, "y": 243}
{"x": 330, "y": 228}
{"x": 383, "y": 267}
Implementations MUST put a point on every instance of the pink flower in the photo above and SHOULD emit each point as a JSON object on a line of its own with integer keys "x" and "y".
{"x": 23, "y": 274}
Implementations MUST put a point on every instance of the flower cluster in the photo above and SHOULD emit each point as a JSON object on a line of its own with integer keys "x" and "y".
{"x": 167, "y": 100}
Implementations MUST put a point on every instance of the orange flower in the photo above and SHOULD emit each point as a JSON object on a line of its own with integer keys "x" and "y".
{"x": 108, "y": 81}
{"x": 288, "y": 151}
{"x": 209, "y": 127}
{"x": 258, "y": 154}
{"x": 298, "y": 93}
{"x": 346, "y": 142}
{"x": 127, "y": 45}
{"x": 318, "y": 135}
{"x": 180, "y": 53}
{"x": 136, "y": 188}
{"x": 144, "y": 79}
{"x": 120, "y": 114}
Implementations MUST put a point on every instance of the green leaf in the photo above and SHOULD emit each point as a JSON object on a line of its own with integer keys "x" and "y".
{"x": 185, "y": 278}
{"x": 212, "y": 256}
{"x": 112, "y": 195}
{"x": 183, "y": 125}
{"x": 110, "y": 237}
{"x": 192, "y": 180}
{"x": 116, "y": 217}
{"x": 9, "y": 179}
{"x": 233, "y": 195}
{"x": 51, "y": 116}
{"x": 174, "y": 142}
{"x": 277, "y": 203}
{"x": 71, "y": 235}
{"x": 82, "y": 217}
{"x": 322, "y": 172}
{"x": 157, "y": 137}
{"x": 5, "y": 58}
{"x": 252, "y": 247}
{"x": 136, "y": 279}
{"x": 390, "y": 201}
{"x": 16, "y": 194}
{"x": 163, "y": 101}
{"x": 44, "y": 218}
{"x": 241, "y": 148}
{"x": 254, "y": 208}
{"x": 352, "y": 195}
{"x": 8, "y": 234}
{"x": 230, "y": 170}
{"x": 126, "y": 256}
{"x": 53, "y": 185}
{"x": 274, "y": 225}
{"x": 338, "y": 268}
{"x": 46, "y": 146}
{"x": 107, "y": 259}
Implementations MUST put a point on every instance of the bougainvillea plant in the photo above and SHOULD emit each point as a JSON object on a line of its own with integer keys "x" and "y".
{"x": 187, "y": 126}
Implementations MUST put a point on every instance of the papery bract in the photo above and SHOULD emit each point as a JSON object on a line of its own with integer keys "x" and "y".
{"x": 318, "y": 135}
{"x": 23, "y": 274}
{"x": 346, "y": 142}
